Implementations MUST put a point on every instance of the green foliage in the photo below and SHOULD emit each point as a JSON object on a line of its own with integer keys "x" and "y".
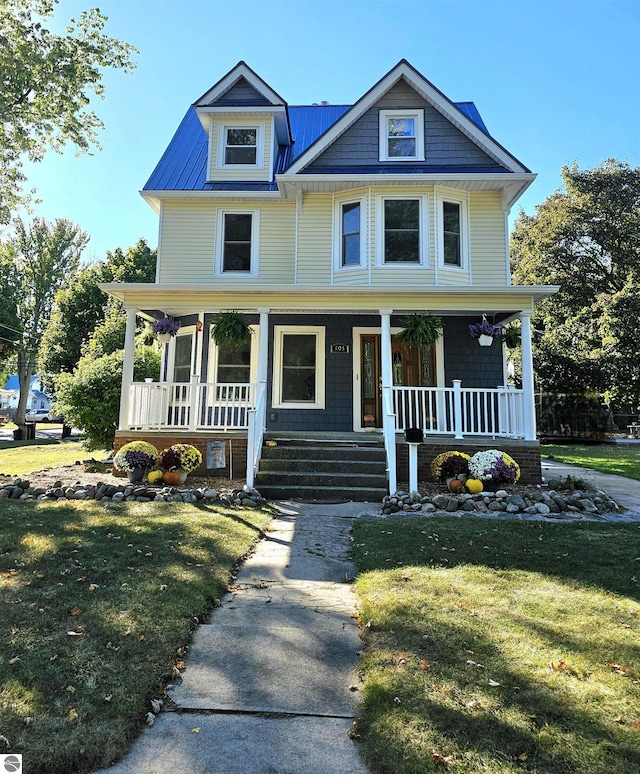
{"x": 85, "y": 320}
{"x": 420, "y": 330}
{"x": 230, "y": 327}
{"x": 45, "y": 86}
{"x": 90, "y": 398}
{"x": 586, "y": 239}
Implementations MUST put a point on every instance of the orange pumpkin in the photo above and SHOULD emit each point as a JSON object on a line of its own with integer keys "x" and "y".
{"x": 455, "y": 485}
{"x": 171, "y": 477}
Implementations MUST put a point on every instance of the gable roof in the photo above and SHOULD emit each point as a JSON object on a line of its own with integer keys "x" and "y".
{"x": 13, "y": 382}
{"x": 460, "y": 115}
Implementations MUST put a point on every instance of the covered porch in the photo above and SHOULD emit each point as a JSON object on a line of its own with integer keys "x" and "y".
{"x": 449, "y": 408}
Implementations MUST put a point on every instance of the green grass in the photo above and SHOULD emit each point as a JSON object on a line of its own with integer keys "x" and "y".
{"x": 29, "y": 456}
{"x": 607, "y": 458}
{"x": 97, "y": 603}
{"x": 499, "y": 646}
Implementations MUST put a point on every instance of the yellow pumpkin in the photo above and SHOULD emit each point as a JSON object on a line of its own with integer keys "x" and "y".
{"x": 154, "y": 476}
{"x": 474, "y": 486}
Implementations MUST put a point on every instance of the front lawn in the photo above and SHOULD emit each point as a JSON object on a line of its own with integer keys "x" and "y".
{"x": 29, "y": 456}
{"x": 624, "y": 460}
{"x": 97, "y": 603}
{"x": 499, "y": 646}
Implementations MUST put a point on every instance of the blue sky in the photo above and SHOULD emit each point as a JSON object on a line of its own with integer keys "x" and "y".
{"x": 555, "y": 81}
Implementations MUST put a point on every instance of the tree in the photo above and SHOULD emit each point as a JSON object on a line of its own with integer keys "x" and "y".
{"x": 90, "y": 398}
{"x": 586, "y": 239}
{"x": 34, "y": 264}
{"x": 45, "y": 86}
{"x": 81, "y": 307}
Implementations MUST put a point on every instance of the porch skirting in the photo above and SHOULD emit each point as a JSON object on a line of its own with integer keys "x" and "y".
{"x": 235, "y": 449}
{"x": 525, "y": 453}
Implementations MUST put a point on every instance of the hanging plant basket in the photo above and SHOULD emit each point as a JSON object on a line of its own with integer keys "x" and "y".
{"x": 420, "y": 330}
{"x": 484, "y": 340}
{"x": 230, "y": 327}
{"x": 484, "y": 331}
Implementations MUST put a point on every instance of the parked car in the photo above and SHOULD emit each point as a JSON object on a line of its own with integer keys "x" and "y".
{"x": 37, "y": 415}
{"x": 55, "y": 417}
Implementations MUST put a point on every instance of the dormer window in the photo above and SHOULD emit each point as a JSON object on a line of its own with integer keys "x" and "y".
{"x": 241, "y": 146}
{"x": 401, "y": 135}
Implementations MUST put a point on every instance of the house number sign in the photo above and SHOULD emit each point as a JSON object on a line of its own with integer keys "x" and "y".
{"x": 338, "y": 348}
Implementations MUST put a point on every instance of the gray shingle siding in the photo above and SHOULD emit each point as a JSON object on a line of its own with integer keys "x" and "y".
{"x": 241, "y": 93}
{"x": 444, "y": 144}
{"x": 465, "y": 359}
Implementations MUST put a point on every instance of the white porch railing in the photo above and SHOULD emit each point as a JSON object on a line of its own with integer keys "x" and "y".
{"x": 190, "y": 406}
{"x": 460, "y": 412}
{"x": 257, "y": 425}
{"x": 389, "y": 423}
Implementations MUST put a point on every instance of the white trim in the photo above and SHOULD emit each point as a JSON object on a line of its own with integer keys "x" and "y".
{"x": 384, "y": 116}
{"x": 241, "y": 70}
{"x": 432, "y": 95}
{"x": 338, "y": 204}
{"x": 218, "y": 267}
{"x": 212, "y": 365}
{"x": 224, "y": 127}
{"x": 423, "y": 237}
{"x": 279, "y": 332}
{"x": 453, "y": 198}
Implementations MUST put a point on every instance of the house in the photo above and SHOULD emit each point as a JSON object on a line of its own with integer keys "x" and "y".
{"x": 10, "y": 395}
{"x": 326, "y": 226}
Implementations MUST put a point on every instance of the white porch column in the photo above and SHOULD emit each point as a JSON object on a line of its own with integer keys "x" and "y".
{"x": 388, "y": 417}
{"x": 127, "y": 368}
{"x": 528, "y": 393}
{"x": 263, "y": 347}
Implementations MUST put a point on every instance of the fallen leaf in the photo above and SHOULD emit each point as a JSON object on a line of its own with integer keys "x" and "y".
{"x": 74, "y": 634}
{"x": 493, "y": 683}
{"x": 75, "y": 611}
{"x": 558, "y": 665}
{"x": 195, "y": 730}
{"x": 150, "y": 718}
{"x": 70, "y": 689}
{"x": 107, "y": 698}
{"x": 523, "y": 757}
{"x": 425, "y": 665}
{"x": 636, "y": 724}
{"x": 445, "y": 760}
{"x": 73, "y": 715}
{"x": 14, "y": 660}
{"x": 181, "y": 665}
{"x": 156, "y": 705}
{"x": 619, "y": 719}
{"x": 618, "y": 669}
{"x": 401, "y": 658}
{"x": 4, "y": 740}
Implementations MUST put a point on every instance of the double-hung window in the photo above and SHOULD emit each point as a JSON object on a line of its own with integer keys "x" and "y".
{"x": 401, "y": 135}
{"x": 350, "y": 234}
{"x": 402, "y": 231}
{"x": 237, "y": 242}
{"x": 453, "y": 232}
{"x": 241, "y": 146}
{"x": 299, "y": 367}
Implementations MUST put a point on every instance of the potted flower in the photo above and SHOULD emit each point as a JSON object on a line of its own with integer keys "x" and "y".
{"x": 165, "y": 328}
{"x": 494, "y": 468}
{"x": 450, "y": 464}
{"x": 231, "y": 327}
{"x": 484, "y": 331}
{"x": 182, "y": 459}
{"x": 136, "y": 458}
{"x": 369, "y": 423}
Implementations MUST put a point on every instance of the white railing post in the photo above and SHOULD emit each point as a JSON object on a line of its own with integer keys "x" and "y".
{"x": 457, "y": 408}
{"x": 194, "y": 394}
{"x": 127, "y": 368}
{"x": 527, "y": 378}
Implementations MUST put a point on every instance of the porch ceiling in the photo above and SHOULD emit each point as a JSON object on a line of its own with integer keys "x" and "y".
{"x": 176, "y": 299}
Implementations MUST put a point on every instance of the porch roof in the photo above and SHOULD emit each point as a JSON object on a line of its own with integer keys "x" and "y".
{"x": 180, "y": 299}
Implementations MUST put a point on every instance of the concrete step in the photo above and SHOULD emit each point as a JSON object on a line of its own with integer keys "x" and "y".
{"x": 355, "y": 493}
{"x": 315, "y": 452}
{"x": 311, "y": 466}
{"x": 328, "y": 479}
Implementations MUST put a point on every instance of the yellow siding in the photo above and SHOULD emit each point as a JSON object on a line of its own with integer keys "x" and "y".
{"x": 188, "y": 242}
{"x": 235, "y": 174}
{"x": 315, "y": 243}
{"x": 488, "y": 239}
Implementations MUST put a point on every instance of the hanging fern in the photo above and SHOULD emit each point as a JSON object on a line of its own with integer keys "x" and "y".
{"x": 230, "y": 327}
{"x": 420, "y": 330}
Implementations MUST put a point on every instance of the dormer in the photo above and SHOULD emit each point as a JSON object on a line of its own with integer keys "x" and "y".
{"x": 246, "y": 122}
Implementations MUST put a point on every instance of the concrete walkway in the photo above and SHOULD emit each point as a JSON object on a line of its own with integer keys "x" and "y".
{"x": 269, "y": 683}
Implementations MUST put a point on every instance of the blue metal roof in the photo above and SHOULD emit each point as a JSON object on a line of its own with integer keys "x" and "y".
{"x": 13, "y": 382}
{"x": 183, "y": 166}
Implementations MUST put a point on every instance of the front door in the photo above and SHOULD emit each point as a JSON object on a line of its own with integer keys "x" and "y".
{"x": 411, "y": 367}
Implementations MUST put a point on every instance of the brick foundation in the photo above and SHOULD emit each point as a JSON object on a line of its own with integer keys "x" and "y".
{"x": 525, "y": 453}
{"x": 235, "y": 450}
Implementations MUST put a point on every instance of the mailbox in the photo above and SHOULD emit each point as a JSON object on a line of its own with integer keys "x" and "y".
{"x": 413, "y": 435}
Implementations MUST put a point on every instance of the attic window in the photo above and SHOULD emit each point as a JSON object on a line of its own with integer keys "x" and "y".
{"x": 240, "y": 146}
{"x": 401, "y": 135}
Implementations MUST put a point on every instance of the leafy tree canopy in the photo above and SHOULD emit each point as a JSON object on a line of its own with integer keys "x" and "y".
{"x": 586, "y": 239}
{"x": 46, "y": 81}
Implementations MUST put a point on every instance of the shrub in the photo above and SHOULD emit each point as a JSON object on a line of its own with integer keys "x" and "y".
{"x": 449, "y": 464}
{"x": 494, "y": 465}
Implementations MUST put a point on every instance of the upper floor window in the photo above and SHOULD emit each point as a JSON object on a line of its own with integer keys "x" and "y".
{"x": 350, "y": 234}
{"x": 401, "y": 135}
{"x": 237, "y": 242}
{"x": 241, "y": 146}
{"x": 453, "y": 232}
{"x": 402, "y": 231}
